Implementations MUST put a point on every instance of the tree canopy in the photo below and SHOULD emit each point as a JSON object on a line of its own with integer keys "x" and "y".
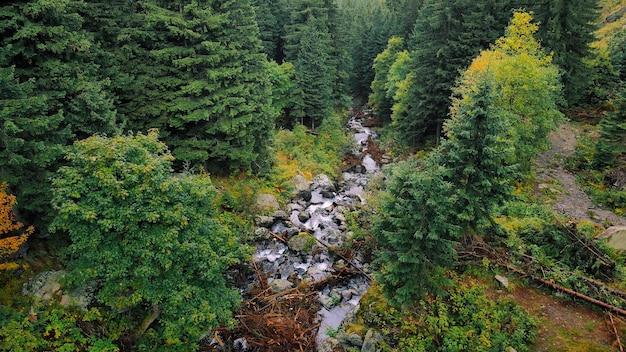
{"x": 145, "y": 235}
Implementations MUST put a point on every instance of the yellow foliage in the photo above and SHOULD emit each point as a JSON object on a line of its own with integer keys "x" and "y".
{"x": 10, "y": 228}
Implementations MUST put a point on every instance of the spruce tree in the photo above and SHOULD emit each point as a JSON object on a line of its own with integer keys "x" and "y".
{"x": 214, "y": 95}
{"x": 566, "y": 29}
{"x": 613, "y": 136}
{"x": 414, "y": 231}
{"x": 313, "y": 100}
{"x": 447, "y": 35}
{"x": 52, "y": 90}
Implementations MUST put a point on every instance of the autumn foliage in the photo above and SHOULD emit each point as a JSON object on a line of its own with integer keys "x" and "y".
{"x": 11, "y": 236}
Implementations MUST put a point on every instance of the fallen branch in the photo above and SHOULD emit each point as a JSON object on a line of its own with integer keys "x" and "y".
{"x": 568, "y": 291}
{"x": 619, "y": 342}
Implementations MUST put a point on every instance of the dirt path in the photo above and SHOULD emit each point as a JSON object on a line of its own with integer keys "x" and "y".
{"x": 552, "y": 176}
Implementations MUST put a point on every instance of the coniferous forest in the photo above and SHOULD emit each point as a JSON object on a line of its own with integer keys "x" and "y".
{"x": 312, "y": 175}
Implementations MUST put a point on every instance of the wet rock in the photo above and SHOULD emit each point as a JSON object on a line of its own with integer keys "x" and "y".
{"x": 302, "y": 242}
{"x": 372, "y": 340}
{"x": 264, "y": 221}
{"x": 328, "y": 345}
{"x": 327, "y": 194}
{"x": 346, "y": 294}
{"x": 324, "y": 182}
{"x": 266, "y": 202}
{"x": 360, "y": 169}
{"x": 261, "y": 233}
{"x": 279, "y": 285}
{"x": 300, "y": 183}
{"x": 349, "y": 339}
{"x": 327, "y": 301}
{"x": 280, "y": 215}
{"x": 304, "y": 194}
{"x": 304, "y": 216}
{"x": 291, "y": 207}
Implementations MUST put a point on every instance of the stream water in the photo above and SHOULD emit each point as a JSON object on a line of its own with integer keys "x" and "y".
{"x": 322, "y": 216}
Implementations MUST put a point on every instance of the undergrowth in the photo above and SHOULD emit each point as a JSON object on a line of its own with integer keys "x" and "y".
{"x": 464, "y": 319}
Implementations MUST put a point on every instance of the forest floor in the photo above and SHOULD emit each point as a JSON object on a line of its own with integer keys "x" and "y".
{"x": 564, "y": 323}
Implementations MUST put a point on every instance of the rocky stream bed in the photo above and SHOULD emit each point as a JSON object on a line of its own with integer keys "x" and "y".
{"x": 300, "y": 242}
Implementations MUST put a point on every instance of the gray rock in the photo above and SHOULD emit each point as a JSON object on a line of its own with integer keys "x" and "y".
{"x": 294, "y": 207}
{"x": 300, "y": 183}
{"x": 327, "y": 301}
{"x": 372, "y": 340}
{"x": 280, "y": 215}
{"x": 328, "y": 345}
{"x": 302, "y": 242}
{"x": 616, "y": 237}
{"x": 304, "y": 194}
{"x": 322, "y": 181}
{"x": 44, "y": 285}
{"x": 266, "y": 202}
{"x": 304, "y": 216}
{"x": 264, "y": 221}
{"x": 279, "y": 285}
{"x": 327, "y": 194}
{"x": 349, "y": 339}
{"x": 261, "y": 233}
{"x": 346, "y": 294}
{"x": 503, "y": 280}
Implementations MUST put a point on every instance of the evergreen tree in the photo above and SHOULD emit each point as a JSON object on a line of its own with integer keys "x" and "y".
{"x": 478, "y": 154}
{"x": 613, "y": 136}
{"x": 447, "y": 35}
{"x": 214, "y": 105}
{"x": 52, "y": 93}
{"x": 414, "y": 231}
{"x": 566, "y": 30}
{"x": 313, "y": 79}
{"x": 268, "y": 18}
{"x": 149, "y": 238}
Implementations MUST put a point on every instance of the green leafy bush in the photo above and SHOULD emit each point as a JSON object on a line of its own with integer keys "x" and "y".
{"x": 463, "y": 319}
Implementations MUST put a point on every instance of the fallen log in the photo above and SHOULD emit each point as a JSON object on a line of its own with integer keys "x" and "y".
{"x": 568, "y": 291}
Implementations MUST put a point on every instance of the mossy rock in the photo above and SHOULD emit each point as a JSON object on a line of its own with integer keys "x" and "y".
{"x": 302, "y": 242}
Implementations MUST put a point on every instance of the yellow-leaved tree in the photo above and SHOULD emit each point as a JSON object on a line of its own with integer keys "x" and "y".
{"x": 11, "y": 235}
{"x": 527, "y": 85}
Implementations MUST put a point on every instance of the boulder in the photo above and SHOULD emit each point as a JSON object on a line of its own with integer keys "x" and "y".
{"x": 372, "y": 340}
{"x": 616, "y": 237}
{"x": 264, "y": 221}
{"x": 266, "y": 202}
{"x": 328, "y": 345}
{"x": 349, "y": 339}
{"x": 302, "y": 242}
{"x": 279, "y": 285}
{"x": 304, "y": 216}
{"x": 280, "y": 215}
{"x": 44, "y": 285}
{"x": 305, "y": 195}
{"x": 300, "y": 183}
{"x": 322, "y": 181}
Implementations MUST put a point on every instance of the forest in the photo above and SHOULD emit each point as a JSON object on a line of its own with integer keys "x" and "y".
{"x": 313, "y": 175}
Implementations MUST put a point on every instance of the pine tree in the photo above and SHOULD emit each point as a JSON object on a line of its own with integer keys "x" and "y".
{"x": 566, "y": 30}
{"x": 211, "y": 86}
{"x": 478, "y": 154}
